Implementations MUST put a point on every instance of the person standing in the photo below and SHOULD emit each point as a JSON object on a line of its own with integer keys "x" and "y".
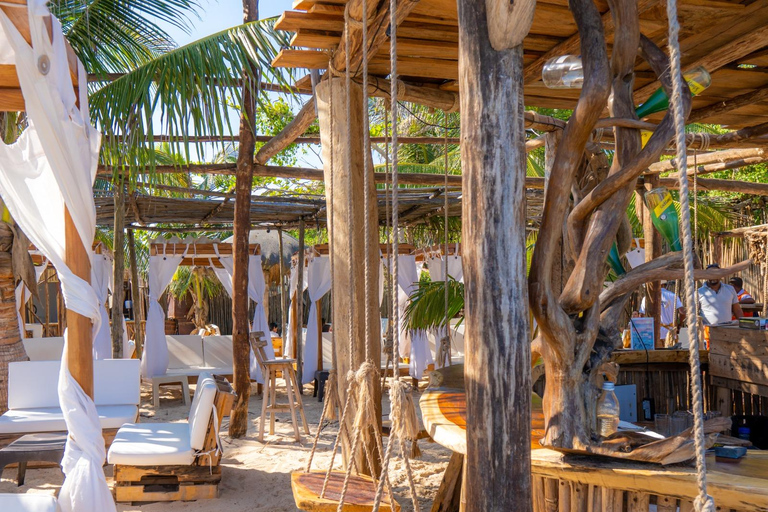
{"x": 742, "y": 294}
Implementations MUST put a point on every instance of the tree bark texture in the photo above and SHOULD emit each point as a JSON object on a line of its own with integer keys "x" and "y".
{"x": 11, "y": 346}
{"x": 331, "y": 98}
{"x": 241, "y": 350}
{"x": 652, "y": 251}
{"x": 497, "y": 371}
{"x": 118, "y": 271}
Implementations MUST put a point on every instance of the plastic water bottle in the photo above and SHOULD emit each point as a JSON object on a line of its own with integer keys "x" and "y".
{"x": 607, "y": 411}
{"x": 564, "y": 72}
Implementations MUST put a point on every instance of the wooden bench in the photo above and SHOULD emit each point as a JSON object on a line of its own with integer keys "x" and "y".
{"x": 174, "y": 461}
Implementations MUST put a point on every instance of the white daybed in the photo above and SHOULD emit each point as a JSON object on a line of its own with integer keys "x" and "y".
{"x": 33, "y": 400}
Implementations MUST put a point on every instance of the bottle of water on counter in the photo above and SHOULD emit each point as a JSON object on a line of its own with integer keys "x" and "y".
{"x": 607, "y": 411}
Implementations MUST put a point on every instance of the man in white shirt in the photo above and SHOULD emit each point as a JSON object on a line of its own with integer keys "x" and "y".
{"x": 669, "y": 303}
{"x": 718, "y": 301}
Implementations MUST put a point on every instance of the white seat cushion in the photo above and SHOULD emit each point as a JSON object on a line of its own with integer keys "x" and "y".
{"x": 152, "y": 444}
{"x": 28, "y": 503}
{"x": 51, "y": 419}
{"x": 201, "y": 409}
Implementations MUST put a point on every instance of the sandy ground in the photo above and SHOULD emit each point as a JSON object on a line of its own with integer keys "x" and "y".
{"x": 257, "y": 476}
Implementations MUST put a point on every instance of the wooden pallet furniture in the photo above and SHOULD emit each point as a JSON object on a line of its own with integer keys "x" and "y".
{"x": 270, "y": 369}
{"x": 738, "y": 370}
{"x": 174, "y": 461}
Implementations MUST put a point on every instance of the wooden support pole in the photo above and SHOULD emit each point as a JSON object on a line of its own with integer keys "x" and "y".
{"x": 283, "y": 307}
{"x": 79, "y": 327}
{"x": 331, "y": 97}
{"x": 497, "y": 369}
{"x": 118, "y": 271}
{"x": 138, "y": 301}
{"x": 652, "y": 251}
{"x": 300, "y": 307}
{"x": 241, "y": 350}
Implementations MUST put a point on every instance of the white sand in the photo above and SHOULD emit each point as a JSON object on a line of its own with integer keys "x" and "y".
{"x": 256, "y": 476}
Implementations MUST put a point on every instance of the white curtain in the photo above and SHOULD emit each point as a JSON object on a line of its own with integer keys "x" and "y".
{"x": 154, "y": 360}
{"x": 101, "y": 275}
{"x": 436, "y": 267}
{"x": 256, "y": 288}
{"x": 52, "y": 166}
{"x": 412, "y": 342}
{"x": 224, "y": 274}
{"x": 318, "y": 284}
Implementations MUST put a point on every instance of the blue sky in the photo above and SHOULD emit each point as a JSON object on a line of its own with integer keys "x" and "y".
{"x": 216, "y": 16}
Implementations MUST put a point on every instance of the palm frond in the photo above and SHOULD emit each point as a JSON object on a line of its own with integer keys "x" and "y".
{"x": 191, "y": 90}
{"x": 427, "y": 306}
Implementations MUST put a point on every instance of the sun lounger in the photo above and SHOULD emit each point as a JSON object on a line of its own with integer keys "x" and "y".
{"x": 174, "y": 461}
{"x": 33, "y": 400}
{"x": 28, "y": 503}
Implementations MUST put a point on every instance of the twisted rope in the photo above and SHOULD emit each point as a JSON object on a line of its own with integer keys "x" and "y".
{"x": 366, "y": 184}
{"x": 703, "y": 502}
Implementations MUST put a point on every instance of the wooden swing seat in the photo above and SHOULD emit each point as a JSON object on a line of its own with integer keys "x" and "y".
{"x": 360, "y": 496}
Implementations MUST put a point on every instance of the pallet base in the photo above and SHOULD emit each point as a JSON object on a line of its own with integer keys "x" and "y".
{"x": 166, "y": 483}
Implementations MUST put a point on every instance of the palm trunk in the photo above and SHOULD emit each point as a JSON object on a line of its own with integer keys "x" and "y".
{"x": 11, "y": 347}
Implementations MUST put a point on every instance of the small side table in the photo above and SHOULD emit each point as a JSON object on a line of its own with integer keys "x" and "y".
{"x": 319, "y": 384}
{"x": 33, "y": 447}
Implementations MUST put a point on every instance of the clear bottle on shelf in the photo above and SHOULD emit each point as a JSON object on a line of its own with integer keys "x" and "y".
{"x": 564, "y": 72}
{"x": 607, "y": 412}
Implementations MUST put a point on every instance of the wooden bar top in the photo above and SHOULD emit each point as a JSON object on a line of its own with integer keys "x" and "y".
{"x": 742, "y": 486}
{"x": 656, "y": 356}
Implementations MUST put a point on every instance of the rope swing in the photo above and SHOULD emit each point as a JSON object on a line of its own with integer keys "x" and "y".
{"x": 703, "y": 502}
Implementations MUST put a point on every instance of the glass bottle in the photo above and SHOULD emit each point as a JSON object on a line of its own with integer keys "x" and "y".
{"x": 664, "y": 216}
{"x": 698, "y": 79}
{"x": 564, "y": 72}
{"x": 607, "y": 411}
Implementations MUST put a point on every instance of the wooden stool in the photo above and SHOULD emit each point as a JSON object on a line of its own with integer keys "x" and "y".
{"x": 269, "y": 370}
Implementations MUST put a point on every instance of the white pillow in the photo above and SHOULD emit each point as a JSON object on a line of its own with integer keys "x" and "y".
{"x": 200, "y": 412}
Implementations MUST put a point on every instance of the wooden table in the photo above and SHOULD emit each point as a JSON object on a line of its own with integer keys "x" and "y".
{"x": 588, "y": 483}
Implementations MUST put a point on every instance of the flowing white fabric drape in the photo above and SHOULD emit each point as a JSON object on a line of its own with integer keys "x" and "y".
{"x": 101, "y": 275}
{"x": 256, "y": 288}
{"x": 318, "y": 284}
{"x": 52, "y": 166}
{"x": 412, "y": 342}
{"x": 154, "y": 360}
{"x": 437, "y": 273}
{"x": 23, "y": 294}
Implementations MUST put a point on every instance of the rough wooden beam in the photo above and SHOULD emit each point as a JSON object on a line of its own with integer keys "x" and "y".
{"x": 734, "y": 103}
{"x": 427, "y": 96}
{"x": 118, "y": 270}
{"x": 378, "y": 24}
{"x": 739, "y": 187}
{"x": 708, "y": 158}
{"x": 729, "y": 52}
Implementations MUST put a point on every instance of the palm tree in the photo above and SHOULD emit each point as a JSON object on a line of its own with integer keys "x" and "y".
{"x": 144, "y": 77}
{"x": 201, "y": 285}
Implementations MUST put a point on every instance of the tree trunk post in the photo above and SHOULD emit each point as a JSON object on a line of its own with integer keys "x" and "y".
{"x": 331, "y": 98}
{"x": 118, "y": 271}
{"x": 138, "y": 302}
{"x": 300, "y": 307}
{"x": 241, "y": 349}
{"x": 283, "y": 307}
{"x": 652, "y": 251}
{"x": 497, "y": 370}
{"x": 79, "y": 328}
